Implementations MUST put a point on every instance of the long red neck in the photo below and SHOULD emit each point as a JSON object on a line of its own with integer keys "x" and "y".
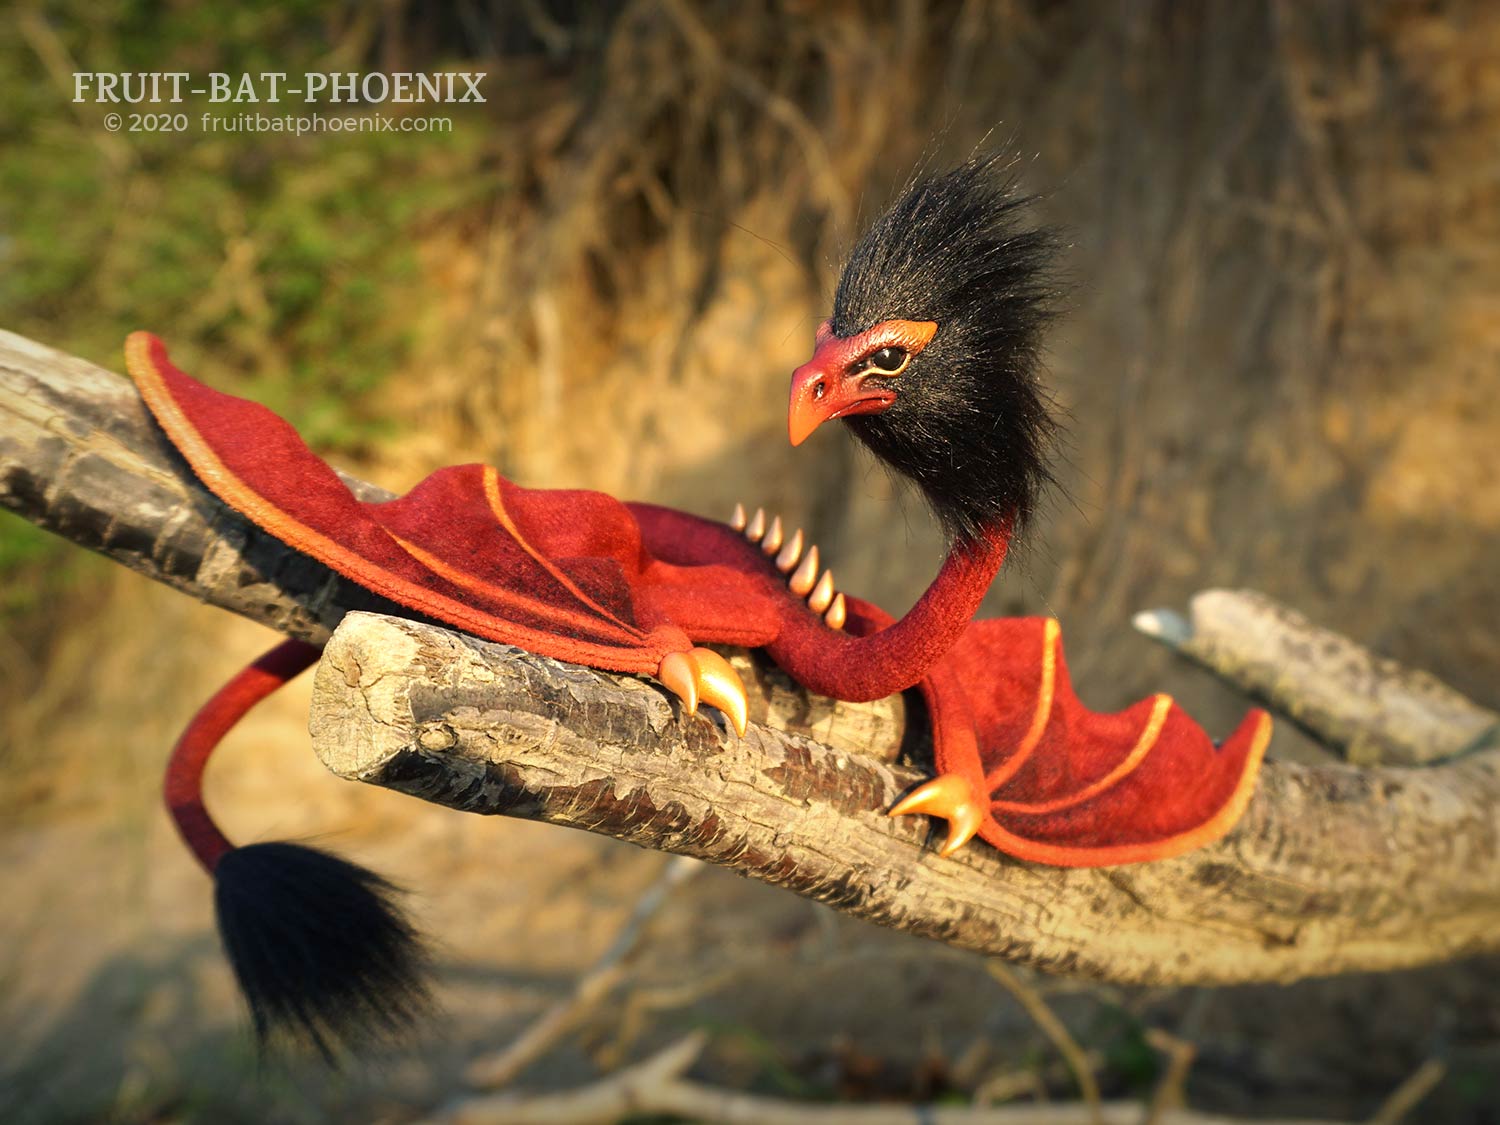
{"x": 860, "y": 668}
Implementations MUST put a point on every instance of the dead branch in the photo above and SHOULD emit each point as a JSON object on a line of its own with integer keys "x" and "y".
{"x": 1405, "y": 1097}
{"x": 81, "y": 456}
{"x": 1333, "y": 869}
{"x": 1373, "y": 710}
{"x": 1169, "y": 1093}
{"x": 657, "y": 1087}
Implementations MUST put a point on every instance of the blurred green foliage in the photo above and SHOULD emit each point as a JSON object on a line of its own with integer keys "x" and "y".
{"x": 37, "y": 568}
{"x": 282, "y": 268}
{"x": 282, "y": 264}
{"x": 1127, "y": 1054}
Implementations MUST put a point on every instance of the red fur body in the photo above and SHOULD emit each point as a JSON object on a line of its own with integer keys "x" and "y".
{"x": 582, "y": 577}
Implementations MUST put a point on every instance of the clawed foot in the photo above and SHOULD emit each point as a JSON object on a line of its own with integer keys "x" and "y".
{"x": 701, "y": 675}
{"x": 949, "y": 796}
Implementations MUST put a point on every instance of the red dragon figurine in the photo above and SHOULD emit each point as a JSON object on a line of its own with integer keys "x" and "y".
{"x": 930, "y": 357}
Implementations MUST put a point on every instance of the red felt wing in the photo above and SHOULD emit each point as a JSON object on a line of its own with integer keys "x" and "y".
{"x": 561, "y": 573}
{"x": 1070, "y": 787}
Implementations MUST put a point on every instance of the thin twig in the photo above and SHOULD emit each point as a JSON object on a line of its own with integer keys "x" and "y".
{"x": 501, "y": 1068}
{"x": 1046, "y": 1019}
{"x": 1170, "y": 1092}
{"x": 656, "y": 1087}
{"x": 1404, "y": 1098}
{"x": 640, "y": 1002}
{"x": 1007, "y": 1085}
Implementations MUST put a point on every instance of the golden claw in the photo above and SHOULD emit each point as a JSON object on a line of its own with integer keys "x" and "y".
{"x": 680, "y": 677}
{"x": 719, "y": 685}
{"x": 952, "y": 797}
{"x": 702, "y": 675}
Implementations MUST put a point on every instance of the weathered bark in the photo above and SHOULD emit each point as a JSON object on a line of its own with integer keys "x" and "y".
{"x": 1332, "y": 869}
{"x": 1373, "y": 709}
{"x": 81, "y": 456}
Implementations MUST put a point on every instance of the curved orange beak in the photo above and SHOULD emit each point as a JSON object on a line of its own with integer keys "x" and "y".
{"x": 821, "y": 391}
{"x": 827, "y": 386}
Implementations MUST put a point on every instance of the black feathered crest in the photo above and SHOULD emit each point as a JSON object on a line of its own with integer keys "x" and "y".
{"x": 319, "y": 945}
{"x": 970, "y": 425}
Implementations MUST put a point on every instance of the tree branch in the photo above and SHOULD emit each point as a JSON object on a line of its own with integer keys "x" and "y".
{"x": 81, "y": 456}
{"x": 1371, "y": 709}
{"x": 1333, "y": 869}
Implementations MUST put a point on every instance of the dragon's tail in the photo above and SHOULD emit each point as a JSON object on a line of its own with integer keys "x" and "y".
{"x": 320, "y": 946}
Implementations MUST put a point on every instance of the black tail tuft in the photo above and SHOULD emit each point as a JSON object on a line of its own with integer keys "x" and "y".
{"x": 321, "y": 947}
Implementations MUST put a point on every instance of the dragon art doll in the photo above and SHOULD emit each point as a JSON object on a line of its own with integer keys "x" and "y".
{"x": 930, "y": 357}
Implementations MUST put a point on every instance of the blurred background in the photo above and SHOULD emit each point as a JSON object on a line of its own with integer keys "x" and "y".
{"x": 1279, "y": 369}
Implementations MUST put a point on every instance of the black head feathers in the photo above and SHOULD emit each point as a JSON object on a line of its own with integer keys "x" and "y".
{"x": 970, "y": 425}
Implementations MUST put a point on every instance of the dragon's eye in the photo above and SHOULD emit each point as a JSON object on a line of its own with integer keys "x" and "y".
{"x": 890, "y": 361}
